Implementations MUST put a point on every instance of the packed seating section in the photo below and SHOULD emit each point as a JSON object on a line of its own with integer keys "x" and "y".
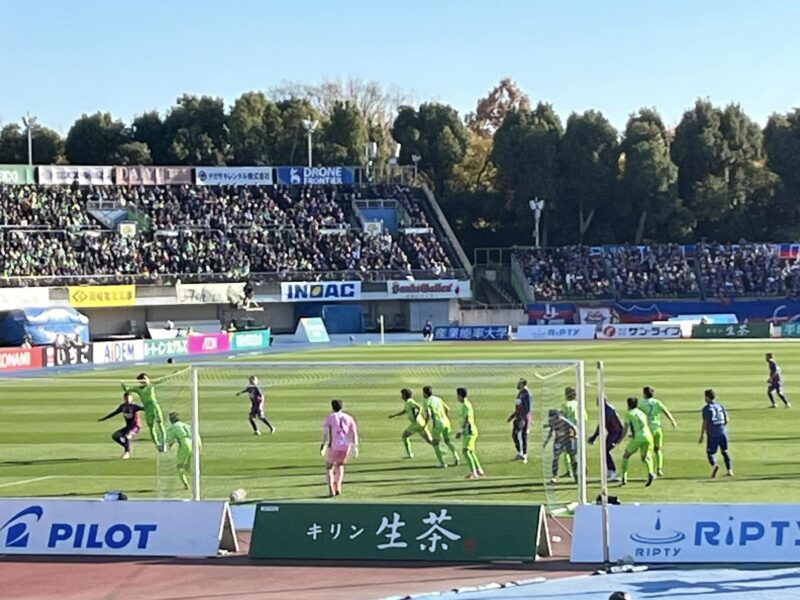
{"x": 205, "y": 233}
{"x": 659, "y": 271}
{"x": 48, "y": 235}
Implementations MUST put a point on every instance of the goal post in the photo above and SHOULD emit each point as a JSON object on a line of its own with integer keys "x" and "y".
{"x": 298, "y": 393}
{"x": 604, "y": 527}
{"x": 196, "y": 444}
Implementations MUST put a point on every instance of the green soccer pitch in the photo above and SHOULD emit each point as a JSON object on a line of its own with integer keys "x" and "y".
{"x": 52, "y": 445}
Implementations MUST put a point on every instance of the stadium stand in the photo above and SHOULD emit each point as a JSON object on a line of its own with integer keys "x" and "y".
{"x": 205, "y": 233}
{"x": 568, "y": 272}
{"x": 213, "y": 233}
{"x": 659, "y": 271}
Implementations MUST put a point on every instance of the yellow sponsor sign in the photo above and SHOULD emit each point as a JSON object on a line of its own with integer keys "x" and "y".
{"x": 96, "y": 296}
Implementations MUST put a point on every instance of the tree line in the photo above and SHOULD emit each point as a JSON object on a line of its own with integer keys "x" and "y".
{"x": 717, "y": 175}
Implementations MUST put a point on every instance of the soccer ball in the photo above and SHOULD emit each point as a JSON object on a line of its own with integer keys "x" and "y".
{"x": 238, "y": 495}
{"x": 369, "y": 343}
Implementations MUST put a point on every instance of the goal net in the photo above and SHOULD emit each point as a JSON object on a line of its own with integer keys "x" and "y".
{"x": 56, "y": 446}
{"x": 286, "y": 464}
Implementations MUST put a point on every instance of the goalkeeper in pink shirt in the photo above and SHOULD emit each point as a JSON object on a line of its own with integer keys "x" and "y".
{"x": 339, "y": 439}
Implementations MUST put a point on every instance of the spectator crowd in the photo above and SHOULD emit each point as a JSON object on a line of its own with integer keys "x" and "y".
{"x": 659, "y": 271}
{"x": 201, "y": 233}
{"x": 208, "y": 233}
{"x": 570, "y": 271}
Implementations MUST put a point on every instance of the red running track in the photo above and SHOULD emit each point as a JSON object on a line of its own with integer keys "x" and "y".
{"x": 235, "y": 577}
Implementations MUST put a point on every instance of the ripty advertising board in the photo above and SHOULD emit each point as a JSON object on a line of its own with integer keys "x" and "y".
{"x": 554, "y": 332}
{"x": 690, "y": 533}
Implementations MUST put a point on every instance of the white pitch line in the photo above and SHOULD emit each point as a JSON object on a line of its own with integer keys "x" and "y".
{"x": 24, "y": 481}
{"x": 109, "y": 477}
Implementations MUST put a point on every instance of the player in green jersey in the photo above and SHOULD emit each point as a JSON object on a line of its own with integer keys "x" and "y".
{"x": 654, "y": 408}
{"x": 641, "y": 441}
{"x": 416, "y": 418}
{"x": 180, "y": 433}
{"x": 469, "y": 434}
{"x": 152, "y": 409}
{"x": 569, "y": 410}
{"x": 437, "y": 415}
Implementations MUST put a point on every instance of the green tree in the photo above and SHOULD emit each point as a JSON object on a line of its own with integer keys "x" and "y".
{"x": 716, "y": 151}
{"x": 254, "y": 123}
{"x": 782, "y": 143}
{"x": 697, "y": 147}
{"x": 768, "y": 214}
{"x": 525, "y": 152}
{"x": 476, "y": 217}
{"x": 344, "y": 136}
{"x": 377, "y": 105}
{"x": 148, "y": 128}
{"x": 48, "y": 146}
{"x": 437, "y": 135}
{"x": 133, "y": 153}
{"x": 197, "y": 130}
{"x": 476, "y": 172}
{"x": 13, "y": 145}
{"x": 94, "y": 140}
{"x": 648, "y": 206}
{"x": 288, "y": 134}
{"x": 587, "y": 162}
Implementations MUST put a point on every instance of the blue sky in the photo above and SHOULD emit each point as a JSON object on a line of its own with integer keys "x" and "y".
{"x": 65, "y": 58}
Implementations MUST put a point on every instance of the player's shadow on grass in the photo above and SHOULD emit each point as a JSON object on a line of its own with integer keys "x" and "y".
{"x": 473, "y": 489}
{"x": 96, "y": 493}
{"x": 761, "y": 440}
{"x": 762, "y": 477}
{"x": 355, "y": 481}
{"x": 408, "y": 468}
{"x": 49, "y": 461}
{"x": 320, "y": 465}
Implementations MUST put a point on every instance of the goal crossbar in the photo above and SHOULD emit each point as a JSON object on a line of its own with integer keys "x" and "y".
{"x": 377, "y": 363}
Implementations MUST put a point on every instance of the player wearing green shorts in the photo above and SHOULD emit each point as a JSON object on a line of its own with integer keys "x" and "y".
{"x": 437, "y": 414}
{"x": 152, "y": 409}
{"x": 416, "y": 418}
{"x": 641, "y": 441}
{"x": 569, "y": 410}
{"x": 654, "y": 409}
{"x": 469, "y": 435}
{"x": 180, "y": 433}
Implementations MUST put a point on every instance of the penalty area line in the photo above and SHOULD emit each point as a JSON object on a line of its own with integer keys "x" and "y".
{"x": 24, "y": 481}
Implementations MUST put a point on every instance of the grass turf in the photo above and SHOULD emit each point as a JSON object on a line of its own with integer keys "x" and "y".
{"x": 51, "y": 443}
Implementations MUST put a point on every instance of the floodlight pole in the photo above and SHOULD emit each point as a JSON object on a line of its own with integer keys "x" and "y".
{"x": 29, "y": 122}
{"x": 416, "y": 158}
{"x": 311, "y": 126}
{"x": 536, "y": 206}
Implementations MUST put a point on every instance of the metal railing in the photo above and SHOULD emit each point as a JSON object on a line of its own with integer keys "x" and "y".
{"x": 449, "y": 239}
{"x": 257, "y": 278}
